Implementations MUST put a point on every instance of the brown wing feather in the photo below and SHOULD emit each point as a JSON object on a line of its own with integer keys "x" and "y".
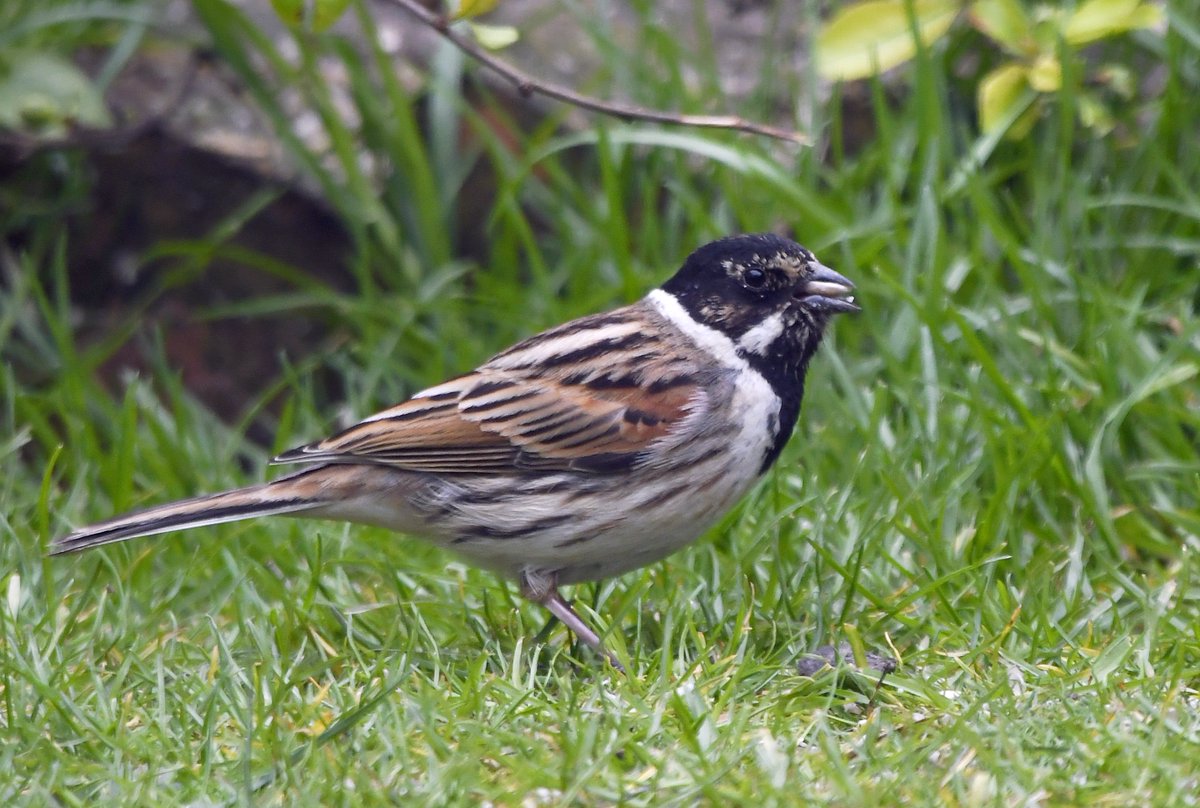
{"x": 555, "y": 420}
{"x": 425, "y": 433}
{"x": 584, "y": 396}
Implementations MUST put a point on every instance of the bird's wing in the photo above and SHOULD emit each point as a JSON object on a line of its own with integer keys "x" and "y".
{"x": 491, "y": 422}
{"x": 598, "y": 409}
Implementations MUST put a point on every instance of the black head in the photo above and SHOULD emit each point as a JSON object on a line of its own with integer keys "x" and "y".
{"x": 768, "y": 294}
{"x": 772, "y": 298}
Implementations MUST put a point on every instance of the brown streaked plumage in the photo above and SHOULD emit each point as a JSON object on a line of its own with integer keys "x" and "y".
{"x": 539, "y": 405}
{"x": 582, "y": 452}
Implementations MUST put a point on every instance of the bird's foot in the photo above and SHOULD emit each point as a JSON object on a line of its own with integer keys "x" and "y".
{"x": 541, "y": 587}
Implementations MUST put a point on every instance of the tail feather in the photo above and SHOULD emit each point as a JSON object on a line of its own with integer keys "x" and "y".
{"x": 230, "y": 506}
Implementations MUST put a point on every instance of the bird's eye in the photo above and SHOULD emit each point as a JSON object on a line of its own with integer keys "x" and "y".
{"x": 754, "y": 278}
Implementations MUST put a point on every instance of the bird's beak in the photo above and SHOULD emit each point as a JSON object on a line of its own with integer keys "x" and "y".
{"x": 826, "y": 290}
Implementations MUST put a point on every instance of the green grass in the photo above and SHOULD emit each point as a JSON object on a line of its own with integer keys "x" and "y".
{"x": 996, "y": 475}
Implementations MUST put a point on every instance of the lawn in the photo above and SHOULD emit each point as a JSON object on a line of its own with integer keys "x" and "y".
{"x": 995, "y": 479}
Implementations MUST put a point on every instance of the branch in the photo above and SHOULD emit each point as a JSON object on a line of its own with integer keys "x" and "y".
{"x": 527, "y": 86}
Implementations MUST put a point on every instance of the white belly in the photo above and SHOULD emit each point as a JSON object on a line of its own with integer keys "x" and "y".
{"x": 591, "y": 526}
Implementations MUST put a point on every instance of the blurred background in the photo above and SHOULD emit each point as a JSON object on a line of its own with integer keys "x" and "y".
{"x": 227, "y": 228}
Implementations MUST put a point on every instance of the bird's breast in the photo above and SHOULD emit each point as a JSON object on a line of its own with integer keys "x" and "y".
{"x": 591, "y": 526}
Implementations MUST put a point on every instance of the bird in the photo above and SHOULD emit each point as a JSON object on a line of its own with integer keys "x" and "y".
{"x": 586, "y": 451}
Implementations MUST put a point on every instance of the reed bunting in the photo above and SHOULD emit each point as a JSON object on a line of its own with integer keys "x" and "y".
{"x": 591, "y": 449}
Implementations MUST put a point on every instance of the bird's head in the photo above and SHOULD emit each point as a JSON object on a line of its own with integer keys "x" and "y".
{"x": 770, "y": 296}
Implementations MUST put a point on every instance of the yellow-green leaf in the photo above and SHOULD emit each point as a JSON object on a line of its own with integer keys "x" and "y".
{"x": 1095, "y": 115}
{"x": 47, "y": 94}
{"x": 1045, "y": 74}
{"x": 494, "y": 37}
{"x": 1097, "y": 19}
{"x": 865, "y": 39}
{"x": 315, "y": 15}
{"x": 1148, "y": 15}
{"x": 1119, "y": 79}
{"x": 1000, "y": 93}
{"x": 290, "y": 11}
{"x": 327, "y": 12}
{"x": 473, "y": 8}
{"x": 1006, "y": 22}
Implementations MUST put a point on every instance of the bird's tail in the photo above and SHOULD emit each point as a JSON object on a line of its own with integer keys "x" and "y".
{"x": 278, "y": 497}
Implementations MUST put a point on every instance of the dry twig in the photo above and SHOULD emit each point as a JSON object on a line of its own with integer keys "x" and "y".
{"x": 528, "y": 85}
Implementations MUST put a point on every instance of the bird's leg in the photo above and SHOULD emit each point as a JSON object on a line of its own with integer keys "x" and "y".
{"x": 542, "y": 588}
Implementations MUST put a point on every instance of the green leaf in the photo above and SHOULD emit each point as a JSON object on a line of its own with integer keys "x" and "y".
{"x": 474, "y": 8}
{"x": 1094, "y": 115}
{"x": 1006, "y": 22}
{"x": 1000, "y": 93}
{"x": 46, "y": 93}
{"x": 314, "y": 15}
{"x": 327, "y": 12}
{"x": 291, "y": 12}
{"x": 1097, "y": 19}
{"x": 1119, "y": 79}
{"x": 494, "y": 37}
{"x": 865, "y": 39}
{"x": 1110, "y": 660}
